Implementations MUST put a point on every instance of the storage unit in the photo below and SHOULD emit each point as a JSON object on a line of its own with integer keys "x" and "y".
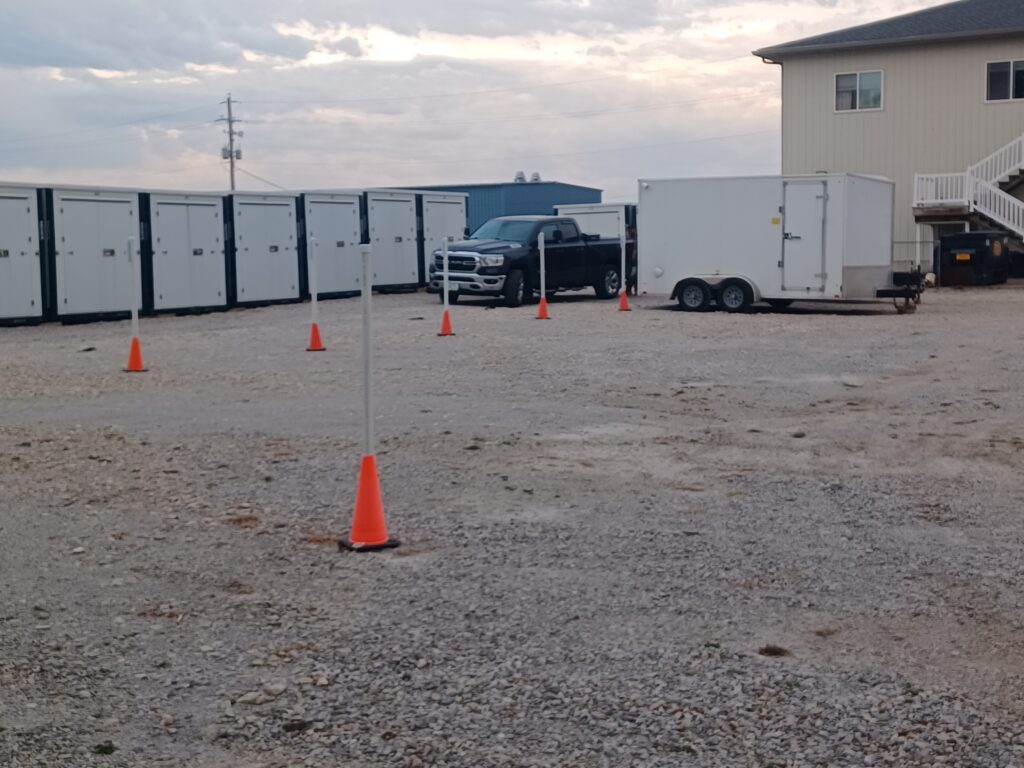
{"x": 93, "y": 273}
{"x": 334, "y": 219}
{"x": 740, "y": 240}
{"x": 263, "y": 251}
{"x": 606, "y": 220}
{"x": 516, "y": 198}
{"x": 973, "y": 258}
{"x": 390, "y": 227}
{"x": 442, "y": 216}
{"x": 21, "y": 255}
{"x": 184, "y": 251}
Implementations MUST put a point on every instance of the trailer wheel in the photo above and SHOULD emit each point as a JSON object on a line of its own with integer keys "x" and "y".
{"x": 735, "y": 296}
{"x": 693, "y": 296}
{"x": 609, "y": 284}
{"x": 515, "y": 288}
{"x": 780, "y": 303}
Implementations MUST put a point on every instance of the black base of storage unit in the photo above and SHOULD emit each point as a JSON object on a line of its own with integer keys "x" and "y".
{"x": 973, "y": 258}
{"x": 262, "y": 245}
{"x": 24, "y": 263}
{"x": 184, "y": 259}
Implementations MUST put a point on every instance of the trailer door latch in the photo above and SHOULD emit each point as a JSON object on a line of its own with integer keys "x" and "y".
{"x": 791, "y": 236}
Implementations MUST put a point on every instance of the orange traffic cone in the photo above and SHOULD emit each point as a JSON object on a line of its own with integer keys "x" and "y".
{"x": 316, "y": 344}
{"x": 446, "y": 325}
{"x": 369, "y": 529}
{"x": 135, "y": 357}
{"x": 623, "y": 302}
{"x": 542, "y": 309}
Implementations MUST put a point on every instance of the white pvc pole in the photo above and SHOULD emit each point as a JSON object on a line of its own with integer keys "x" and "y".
{"x": 365, "y": 250}
{"x": 313, "y": 282}
{"x": 133, "y": 259}
{"x": 444, "y": 267}
{"x": 543, "y": 266}
{"x": 622, "y": 245}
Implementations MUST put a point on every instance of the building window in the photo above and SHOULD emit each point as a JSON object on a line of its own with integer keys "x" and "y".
{"x": 1005, "y": 80}
{"x": 858, "y": 91}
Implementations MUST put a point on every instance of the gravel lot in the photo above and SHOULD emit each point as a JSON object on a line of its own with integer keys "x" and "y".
{"x": 644, "y": 539}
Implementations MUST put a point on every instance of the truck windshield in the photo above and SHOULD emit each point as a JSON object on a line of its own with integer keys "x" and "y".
{"x": 512, "y": 231}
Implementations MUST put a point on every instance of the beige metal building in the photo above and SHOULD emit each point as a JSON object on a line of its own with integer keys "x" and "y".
{"x": 934, "y": 100}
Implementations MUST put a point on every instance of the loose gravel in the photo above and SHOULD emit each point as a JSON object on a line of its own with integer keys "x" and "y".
{"x": 644, "y": 539}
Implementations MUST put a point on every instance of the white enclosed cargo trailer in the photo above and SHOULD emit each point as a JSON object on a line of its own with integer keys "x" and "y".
{"x": 93, "y": 272}
{"x": 21, "y": 255}
{"x": 736, "y": 241}
{"x": 390, "y": 227}
{"x": 263, "y": 251}
{"x": 442, "y": 217}
{"x": 606, "y": 220}
{"x": 185, "y": 247}
{"x": 334, "y": 220}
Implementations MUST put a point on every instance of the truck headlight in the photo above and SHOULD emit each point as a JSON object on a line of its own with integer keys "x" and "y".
{"x": 492, "y": 261}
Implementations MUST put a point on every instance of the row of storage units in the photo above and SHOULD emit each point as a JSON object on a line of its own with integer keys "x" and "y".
{"x": 64, "y": 250}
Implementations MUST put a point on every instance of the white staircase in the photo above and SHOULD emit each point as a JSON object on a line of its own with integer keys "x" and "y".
{"x": 977, "y": 191}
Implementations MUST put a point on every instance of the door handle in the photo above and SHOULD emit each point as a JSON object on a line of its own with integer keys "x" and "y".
{"x": 790, "y": 236}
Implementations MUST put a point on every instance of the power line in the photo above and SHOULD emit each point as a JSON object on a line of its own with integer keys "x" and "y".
{"x": 260, "y": 178}
{"x": 140, "y": 121}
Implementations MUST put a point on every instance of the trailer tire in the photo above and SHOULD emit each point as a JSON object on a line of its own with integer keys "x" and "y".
{"x": 780, "y": 303}
{"x": 610, "y": 283}
{"x": 735, "y": 296}
{"x": 693, "y": 295}
{"x": 515, "y": 289}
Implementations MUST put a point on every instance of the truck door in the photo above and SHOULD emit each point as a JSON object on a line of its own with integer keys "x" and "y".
{"x": 563, "y": 254}
{"x": 803, "y": 244}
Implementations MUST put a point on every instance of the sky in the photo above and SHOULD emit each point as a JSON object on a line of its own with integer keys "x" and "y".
{"x": 360, "y": 93}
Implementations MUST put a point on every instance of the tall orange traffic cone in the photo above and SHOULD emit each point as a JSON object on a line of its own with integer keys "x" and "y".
{"x": 369, "y": 529}
{"x": 316, "y": 344}
{"x": 135, "y": 357}
{"x": 623, "y": 302}
{"x": 446, "y": 325}
{"x": 542, "y": 309}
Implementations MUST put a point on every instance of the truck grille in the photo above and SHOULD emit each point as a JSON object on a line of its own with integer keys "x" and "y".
{"x": 457, "y": 263}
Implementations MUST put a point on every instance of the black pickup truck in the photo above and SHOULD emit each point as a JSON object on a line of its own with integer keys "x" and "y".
{"x": 502, "y": 259}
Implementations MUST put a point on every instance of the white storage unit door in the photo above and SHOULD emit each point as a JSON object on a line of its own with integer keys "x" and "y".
{"x": 21, "y": 294}
{"x": 266, "y": 262}
{"x": 188, "y": 251}
{"x": 333, "y": 219}
{"x": 91, "y": 231}
{"x": 392, "y": 227}
{"x": 444, "y": 218}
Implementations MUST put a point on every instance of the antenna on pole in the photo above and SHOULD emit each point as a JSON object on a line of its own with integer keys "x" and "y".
{"x": 230, "y": 152}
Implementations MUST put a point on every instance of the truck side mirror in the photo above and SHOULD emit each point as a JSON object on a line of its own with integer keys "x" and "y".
{"x": 556, "y": 236}
{"x": 466, "y": 233}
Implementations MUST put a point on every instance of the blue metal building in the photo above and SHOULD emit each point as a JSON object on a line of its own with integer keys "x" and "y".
{"x": 517, "y": 198}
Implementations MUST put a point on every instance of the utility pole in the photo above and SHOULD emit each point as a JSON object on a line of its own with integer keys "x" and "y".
{"x": 229, "y": 152}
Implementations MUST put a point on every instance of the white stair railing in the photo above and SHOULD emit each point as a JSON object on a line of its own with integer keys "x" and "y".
{"x": 940, "y": 189}
{"x": 1000, "y": 163}
{"x": 991, "y": 201}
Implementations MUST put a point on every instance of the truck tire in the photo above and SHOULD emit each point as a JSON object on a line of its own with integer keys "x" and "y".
{"x": 453, "y": 297}
{"x": 780, "y": 303}
{"x": 693, "y": 296}
{"x": 735, "y": 296}
{"x": 515, "y": 289}
{"x": 608, "y": 286}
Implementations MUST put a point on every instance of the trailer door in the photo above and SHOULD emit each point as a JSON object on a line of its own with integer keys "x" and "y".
{"x": 803, "y": 245}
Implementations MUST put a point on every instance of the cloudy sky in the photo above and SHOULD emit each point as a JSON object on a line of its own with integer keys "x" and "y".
{"x": 349, "y": 93}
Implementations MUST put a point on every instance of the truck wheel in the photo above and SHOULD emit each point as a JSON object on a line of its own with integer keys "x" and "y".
{"x": 515, "y": 289}
{"x": 693, "y": 296}
{"x": 779, "y": 303}
{"x": 735, "y": 296}
{"x": 608, "y": 286}
{"x": 453, "y": 297}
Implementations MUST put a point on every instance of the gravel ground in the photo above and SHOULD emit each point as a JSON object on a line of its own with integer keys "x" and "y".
{"x": 645, "y": 539}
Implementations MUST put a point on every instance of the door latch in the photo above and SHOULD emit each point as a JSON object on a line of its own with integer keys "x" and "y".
{"x": 791, "y": 236}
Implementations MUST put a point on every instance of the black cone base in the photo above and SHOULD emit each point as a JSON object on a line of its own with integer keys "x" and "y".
{"x": 344, "y": 545}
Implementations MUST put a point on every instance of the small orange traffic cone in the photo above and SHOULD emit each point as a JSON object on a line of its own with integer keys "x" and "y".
{"x": 316, "y": 344}
{"x": 369, "y": 529}
{"x": 623, "y": 302}
{"x": 135, "y": 357}
{"x": 446, "y": 325}
{"x": 542, "y": 309}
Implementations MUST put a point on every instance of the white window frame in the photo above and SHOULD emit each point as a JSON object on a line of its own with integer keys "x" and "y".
{"x": 1010, "y": 100}
{"x": 881, "y": 107}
